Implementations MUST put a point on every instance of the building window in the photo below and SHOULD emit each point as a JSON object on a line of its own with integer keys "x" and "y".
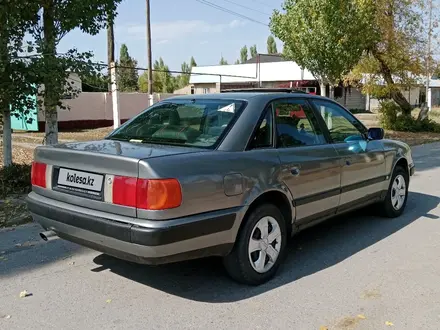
{"x": 205, "y": 90}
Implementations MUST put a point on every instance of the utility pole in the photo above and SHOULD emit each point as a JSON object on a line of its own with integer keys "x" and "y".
{"x": 110, "y": 49}
{"x": 428, "y": 57}
{"x": 150, "y": 61}
{"x": 115, "y": 97}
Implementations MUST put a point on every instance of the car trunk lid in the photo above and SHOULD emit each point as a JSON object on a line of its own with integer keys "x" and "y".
{"x": 81, "y": 173}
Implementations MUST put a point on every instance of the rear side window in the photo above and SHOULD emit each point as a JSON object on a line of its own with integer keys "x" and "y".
{"x": 296, "y": 124}
{"x": 264, "y": 132}
{"x": 192, "y": 123}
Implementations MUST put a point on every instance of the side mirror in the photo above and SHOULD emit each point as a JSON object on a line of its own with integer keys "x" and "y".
{"x": 376, "y": 133}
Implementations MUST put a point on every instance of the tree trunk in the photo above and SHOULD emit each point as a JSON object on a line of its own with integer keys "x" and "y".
{"x": 7, "y": 137}
{"x": 51, "y": 95}
{"x": 322, "y": 87}
{"x": 345, "y": 96}
{"x": 395, "y": 93}
{"x": 51, "y": 127}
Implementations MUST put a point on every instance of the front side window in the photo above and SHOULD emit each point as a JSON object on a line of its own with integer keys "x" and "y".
{"x": 342, "y": 126}
{"x": 296, "y": 125}
{"x": 192, "y": 123}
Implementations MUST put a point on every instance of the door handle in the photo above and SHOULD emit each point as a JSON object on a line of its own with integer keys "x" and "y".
{"x": 294, "y": 171}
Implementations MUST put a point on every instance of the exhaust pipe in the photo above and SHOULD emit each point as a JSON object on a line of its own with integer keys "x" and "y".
{"x": 48, "y": 235}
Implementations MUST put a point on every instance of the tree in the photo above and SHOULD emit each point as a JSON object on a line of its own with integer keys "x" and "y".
{"x": 271, "y": 44}
{"x": 223, "y": 61}
{"x": 16, "y": 75}
{"x": 333, "y": 38}
{"x": 243, "y": 54}
{"x": 163, "y": 81}
{"x": 253, "y": 51}
{"x": 192, "y": 62}
{"x": 57, "y": 19}
{"x": 237, "y": 62}
{"x": 95, "y": 82}
{"x": 126, "y": 71}
{"x": 183, "y": 79}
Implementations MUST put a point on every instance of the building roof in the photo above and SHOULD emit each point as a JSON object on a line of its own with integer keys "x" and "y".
{"x": 249, "y": 72}
{"x": 266, "y": 58}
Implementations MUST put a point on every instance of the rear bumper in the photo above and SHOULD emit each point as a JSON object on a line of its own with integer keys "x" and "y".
{"x": 149, "y": 242}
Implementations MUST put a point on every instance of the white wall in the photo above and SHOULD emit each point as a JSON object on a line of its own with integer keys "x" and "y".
{"x": 99, "y": 106}
{"x": 272, "y": 71}
{"x": 413, "y": 98}
{"x": 354, "y": 100}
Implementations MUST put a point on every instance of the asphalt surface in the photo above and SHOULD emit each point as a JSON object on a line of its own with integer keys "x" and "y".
{"x": 354, "y": 272}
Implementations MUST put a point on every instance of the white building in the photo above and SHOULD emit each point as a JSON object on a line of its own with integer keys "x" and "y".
{"x": 268, "y": 72}
{"x": 271, "y": 71}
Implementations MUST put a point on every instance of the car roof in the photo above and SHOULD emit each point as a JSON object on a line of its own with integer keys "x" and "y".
{"x": 244, "y": 96}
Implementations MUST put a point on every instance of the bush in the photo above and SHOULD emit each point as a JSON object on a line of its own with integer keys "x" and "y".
{"x": 392, "y": 119}
{"x": 15, "y": 180}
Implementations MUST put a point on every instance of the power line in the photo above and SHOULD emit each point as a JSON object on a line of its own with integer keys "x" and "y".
{"x": 210, "y": 4}
{"x": 246, "y": 7}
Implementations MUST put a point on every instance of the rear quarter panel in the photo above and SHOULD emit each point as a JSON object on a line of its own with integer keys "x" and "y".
{"x": 217, "y": 180}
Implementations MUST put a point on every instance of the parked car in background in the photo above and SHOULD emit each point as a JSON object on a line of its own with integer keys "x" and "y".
{"x": 234, "y": 174}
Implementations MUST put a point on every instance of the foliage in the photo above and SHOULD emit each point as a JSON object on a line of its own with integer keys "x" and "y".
{"x": 183, "y": 79}
{"x": 243, "y": 54}
{"x": 15, "y": 179}
{"x": 331, "y": 37}
{"x": 127, "y": 72}
{"x": 223, "y": 61}
{"x": 393, "y": 118}
{"x": 192, "y": 62}
{"x": 253, "y": 51}
{"x": 237, "y": 62}
{"x": 163, "y": 81}
{"x": 326, "y": 37}
{"x": 57, "y": 18}
{"x": 271, "y": 45}
{"x": 16, "y": 78}
{"x": 95, "y": 82}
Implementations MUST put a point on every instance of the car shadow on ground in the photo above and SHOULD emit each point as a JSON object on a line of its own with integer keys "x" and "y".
{"x": 22, "y": 250}
{"x": 309, "y": 252}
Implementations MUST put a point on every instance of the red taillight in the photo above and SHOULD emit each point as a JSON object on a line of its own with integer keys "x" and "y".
{"x": 124, "y": 191}
{"x": 146, "y": 194}
{"x": 38, "y": 174}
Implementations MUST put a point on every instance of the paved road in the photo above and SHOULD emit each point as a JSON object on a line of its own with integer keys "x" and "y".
{"x": 383, "y": 270}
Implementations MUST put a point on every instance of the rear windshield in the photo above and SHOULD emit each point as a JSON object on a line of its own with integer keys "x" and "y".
{"x": 192, "y": 123}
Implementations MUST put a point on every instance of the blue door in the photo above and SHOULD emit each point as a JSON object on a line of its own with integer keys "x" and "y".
{"x": 25, "y": 119}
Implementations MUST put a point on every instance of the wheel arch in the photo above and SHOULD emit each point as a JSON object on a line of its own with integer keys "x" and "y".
{"x": 280, "y": 199}
{"x": 403, "y": 162}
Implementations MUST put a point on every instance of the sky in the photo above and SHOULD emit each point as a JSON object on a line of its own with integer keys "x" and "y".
{"x": 181, "y": 29}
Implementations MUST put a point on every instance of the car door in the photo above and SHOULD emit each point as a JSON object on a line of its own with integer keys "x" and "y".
{"x": 310, "y": 166}
{"x": 363, "y": 162}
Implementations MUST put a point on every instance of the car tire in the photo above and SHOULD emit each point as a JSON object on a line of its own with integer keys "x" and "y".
{"x": 258, "y": 266}
{"x": 397, "y": 195}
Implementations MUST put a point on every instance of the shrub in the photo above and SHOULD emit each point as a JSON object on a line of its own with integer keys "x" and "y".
{"x": 15, "y": 180}
{"x": 393, "y": 119}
